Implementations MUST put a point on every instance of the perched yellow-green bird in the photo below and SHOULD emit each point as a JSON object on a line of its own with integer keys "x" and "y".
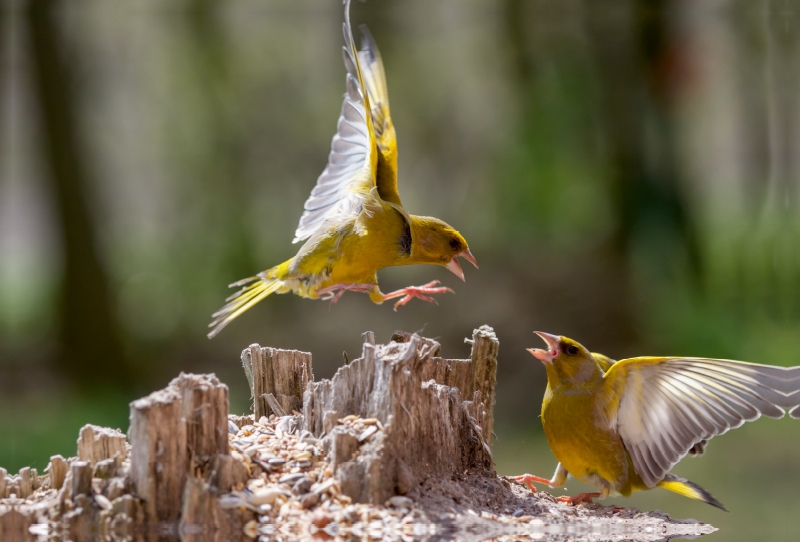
{"x": 354, "y": 223}
{"x": 621, "y": 426}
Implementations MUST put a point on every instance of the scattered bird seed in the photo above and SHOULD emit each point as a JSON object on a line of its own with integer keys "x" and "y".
{"x": 302, "y": 486}
{"x": 291, "y": 478}
{"x": 399, "y": 502}
{"x": 367, "y": 433}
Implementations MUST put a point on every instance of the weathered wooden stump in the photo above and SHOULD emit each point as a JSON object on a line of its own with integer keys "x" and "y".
{"x": 58, "y": 471}
{"x": 158, "y": 453}
{"x": 97, "y": 444}
{"x": 399, "y": 427}
{"x": 21, "y": 485}
{"x": 423, "y": 425}
{"x": 177, "y": 433}
{"x": 277, "y": 379}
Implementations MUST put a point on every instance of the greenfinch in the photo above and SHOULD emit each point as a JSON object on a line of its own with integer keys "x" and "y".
{"x": 354, "y": 222}
{"x": 621, "y": 426}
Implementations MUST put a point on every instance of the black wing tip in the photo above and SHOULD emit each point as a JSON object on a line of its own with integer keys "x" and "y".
{"x": 709, "y": 499}
{"x": 699, "y": 493}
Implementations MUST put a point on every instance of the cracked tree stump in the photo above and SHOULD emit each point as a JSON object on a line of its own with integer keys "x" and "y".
{"x": 58, "y": 471}
{"x": 20, "y": 485}
{"x": 99, "y": 443}
{"x": 400, "y": 427}
{"x": 176, "y": 432}
{"x": 158, "y": 453}
{"x": 428, "y": 426}
{"x": 479, "y": 373}
{"x": 204, "y": 410}
{"x": 277, "y": 379}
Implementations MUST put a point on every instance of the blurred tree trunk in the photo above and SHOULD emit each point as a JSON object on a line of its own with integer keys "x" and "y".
{"x": 638, "y": 71}
{"x": 212, "y": 65}
{"x": 90, "y": 349}
{"x": 632, "y": 67}
{"x": 603, "y": 289}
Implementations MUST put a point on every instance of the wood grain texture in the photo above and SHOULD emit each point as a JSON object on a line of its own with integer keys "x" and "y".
{"x": 283, "y": 373}
{"x": 158, "y": 453}
{"x": 97, "y": 443}
{"x": 429, "y": 427}
{"x": 57, "y": 471}
{"x": 204, "y": 410}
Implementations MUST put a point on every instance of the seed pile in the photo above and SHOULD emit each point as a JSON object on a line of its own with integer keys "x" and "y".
{"x": 292, "y": 489}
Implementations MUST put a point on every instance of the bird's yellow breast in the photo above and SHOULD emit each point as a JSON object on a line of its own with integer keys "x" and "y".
{"x": 580, "y": 441}
{"x": 373, "y": 245}
{"x": 349, "y": 252}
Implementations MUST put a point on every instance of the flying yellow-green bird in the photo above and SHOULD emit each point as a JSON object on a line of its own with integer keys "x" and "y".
{"x": 621, "y": 426}
{"x": 354, "y": 223}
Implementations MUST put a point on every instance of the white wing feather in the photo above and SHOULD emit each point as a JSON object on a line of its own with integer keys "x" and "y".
{"x": 670, "y": 406}
{"x": 350, "y": 173}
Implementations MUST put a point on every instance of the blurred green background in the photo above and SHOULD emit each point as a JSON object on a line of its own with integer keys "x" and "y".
{"x": 626, "y": 173}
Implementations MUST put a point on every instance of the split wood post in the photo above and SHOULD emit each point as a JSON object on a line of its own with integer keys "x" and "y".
{"x": 158, "y": 453}
{"x": 204, "y": 409}
{"x": 81, "y": 475}
{"x": 35, "y": 481}
{"x": 277, "y": 379}
{"x": 97, "y": 443}
{"x": 3, "y": 483}
{"x": 25, "y": 484}
{"x": 485, "y": 348}
{"x": 429, "y": 431}
{"x": 177, "y": 433}
{"x": 476, "y": 374}
{"x": 58, "y": 471}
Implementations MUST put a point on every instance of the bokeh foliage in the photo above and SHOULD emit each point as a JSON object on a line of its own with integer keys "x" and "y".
{"x": 626, "y": 173}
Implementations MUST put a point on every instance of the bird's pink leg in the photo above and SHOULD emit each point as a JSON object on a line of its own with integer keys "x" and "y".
{"x": 579, "y": 498}
{"x": 337, "y": 290}
{"x": 420, "y": 292}
{"x": 527, "y": 479}
{"x": 558, "y": 479}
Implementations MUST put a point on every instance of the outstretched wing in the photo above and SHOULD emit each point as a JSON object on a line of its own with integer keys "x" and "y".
{"x": 668, "y": 405}
{"x": 375, "y": 79}
{"x": 352, "y": 162}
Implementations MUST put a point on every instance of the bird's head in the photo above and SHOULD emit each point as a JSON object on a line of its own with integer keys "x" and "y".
{"x": 565, "y": 359}
{"x": 436, "y": 242}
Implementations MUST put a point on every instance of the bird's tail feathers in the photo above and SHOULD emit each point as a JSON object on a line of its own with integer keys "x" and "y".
{"x": 684, "y": 487}
{"x": 260, "y": 286}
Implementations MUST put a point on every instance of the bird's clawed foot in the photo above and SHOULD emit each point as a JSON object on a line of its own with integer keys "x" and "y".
{"x": 528, "y": 480}
{"x": 337, "y": 290}
{"x": 579, "y": 498}
{"x": 420, "y": 292}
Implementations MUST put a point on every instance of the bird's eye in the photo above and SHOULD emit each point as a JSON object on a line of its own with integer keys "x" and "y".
{"x": 572, "y": 350}
{"x": 455, "y": 244}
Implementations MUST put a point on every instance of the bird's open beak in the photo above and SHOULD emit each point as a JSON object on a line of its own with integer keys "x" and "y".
{"x": 547, "y": 356}
{"x": 455, "y": 267}
{"x": 467, "y": 255}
